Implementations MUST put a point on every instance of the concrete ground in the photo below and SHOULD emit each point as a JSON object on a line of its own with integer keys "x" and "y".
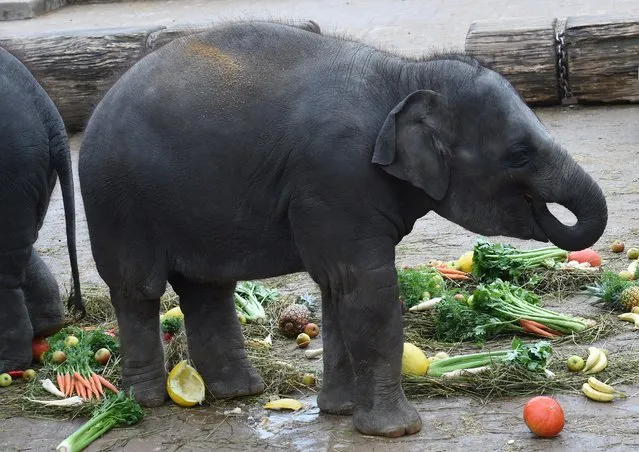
{"x": 605, "y": 140}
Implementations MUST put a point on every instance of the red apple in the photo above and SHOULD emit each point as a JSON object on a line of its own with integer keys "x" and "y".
{"x": 39, "y": 347}
{"x": 311, "y": 329}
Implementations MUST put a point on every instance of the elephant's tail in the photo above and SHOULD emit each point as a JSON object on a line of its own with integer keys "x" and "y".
{"x": 61, "y": 153}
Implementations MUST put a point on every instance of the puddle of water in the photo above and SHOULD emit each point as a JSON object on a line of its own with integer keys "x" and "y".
{"x": 272, "y": 422}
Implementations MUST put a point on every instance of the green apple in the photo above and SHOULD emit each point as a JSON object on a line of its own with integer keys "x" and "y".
{"x": 29, "y": 375}
{"x": 575, "y": 363}
{"x": 5, "y": 380}
{"x": 71, "y": 341}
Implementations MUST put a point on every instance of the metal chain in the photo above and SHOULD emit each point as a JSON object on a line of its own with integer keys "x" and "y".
{"x": 562, "y": 66}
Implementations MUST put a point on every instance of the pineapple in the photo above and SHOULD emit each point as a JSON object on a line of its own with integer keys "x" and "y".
{"x": 629, "y": 298}
{"x": 293, "y": 319}
{"x": 615, "y": 293}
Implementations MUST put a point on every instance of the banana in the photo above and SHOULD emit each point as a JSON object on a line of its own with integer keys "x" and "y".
{"x": 593, "y": 357}
{"x": 598, "y": 396}
{"x": 600, "y": 365}
{"x": 601, "y": 386}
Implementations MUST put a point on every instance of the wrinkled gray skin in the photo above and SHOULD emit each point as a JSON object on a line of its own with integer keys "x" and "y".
{"x": 257, "y": 150}
{"x": 34, "y": 152}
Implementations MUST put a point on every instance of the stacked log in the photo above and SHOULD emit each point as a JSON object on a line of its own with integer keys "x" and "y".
{"x": 588, "y": 59}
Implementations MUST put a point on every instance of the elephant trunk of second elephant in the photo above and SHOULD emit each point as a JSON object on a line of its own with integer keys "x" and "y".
{"x": 574, "y": 189}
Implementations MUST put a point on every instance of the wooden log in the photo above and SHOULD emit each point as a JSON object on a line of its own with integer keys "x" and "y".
{"x": 77, "y": 68}
{"x": 603, "y": 58}
{"x": 523, "y": 51}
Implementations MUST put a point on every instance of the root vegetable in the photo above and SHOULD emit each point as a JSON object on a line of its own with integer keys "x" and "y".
{"x": 310, "y": 354}
{"x": 48, "y": 386}
{"x": 425, "y": 305}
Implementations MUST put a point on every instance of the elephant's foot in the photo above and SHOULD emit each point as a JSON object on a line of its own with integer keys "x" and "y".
{"x": 16, "y": 332}
{"x": 240, "y": 379}
{"x": 147, "y": 382}
{"x": 391, "y": 420}
{"x": 336, "y": 400}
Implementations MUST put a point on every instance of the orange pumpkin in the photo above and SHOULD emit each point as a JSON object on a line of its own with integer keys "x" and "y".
{"x": 588, "y": 255}
{"x": 544, "y": 416}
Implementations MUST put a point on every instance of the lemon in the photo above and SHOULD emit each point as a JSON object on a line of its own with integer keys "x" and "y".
{"x": 466, "y": 262}
{"x": 185, "y": 385}
{"x": 414, "y": 362}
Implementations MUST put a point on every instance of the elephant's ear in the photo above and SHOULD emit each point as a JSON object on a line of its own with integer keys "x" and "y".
{"x": 412, "y": 143}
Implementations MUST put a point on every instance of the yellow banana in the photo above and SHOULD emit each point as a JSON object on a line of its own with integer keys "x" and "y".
{"x": 598, "y": 396}
{"x": 593, "y": 357}
{"x": 601, "y": 386}
{"x": 600, "y": 365}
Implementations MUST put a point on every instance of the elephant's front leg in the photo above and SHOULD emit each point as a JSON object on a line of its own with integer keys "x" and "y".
{"x": 371, "y": 325}
{"x": 337, "y": 395}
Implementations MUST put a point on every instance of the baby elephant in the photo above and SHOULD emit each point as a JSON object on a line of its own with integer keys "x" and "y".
{"x": 34, "y": 151}
{"x": 257, "y": 149}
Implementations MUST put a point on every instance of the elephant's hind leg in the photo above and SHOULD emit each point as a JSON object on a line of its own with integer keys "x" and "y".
{"x": 143, "y": 355}
{"x": 216, "y": 342}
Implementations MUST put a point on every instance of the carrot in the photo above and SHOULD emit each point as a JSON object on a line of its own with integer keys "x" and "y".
{"x": 452, "y": 271}
{"x": 454, "y": 276}
{"x": 82, "y": 380}
{"x": 58, "y": 378}
{"x": 93, "y": 388}
{"x": 535, "y": 330}
{"x": 107, "y": 384}
{"x": 67, "y": 382}
{"x": 72, "y": 387}
{"x": 80, "y": 389}
{"x": 98, "y": 385}
{"x": 544, "y": 327}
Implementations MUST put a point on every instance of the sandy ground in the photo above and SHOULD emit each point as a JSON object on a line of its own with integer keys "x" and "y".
{"x": 605, "y": 140}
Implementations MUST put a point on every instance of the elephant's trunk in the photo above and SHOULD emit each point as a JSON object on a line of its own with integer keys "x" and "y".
{"x": 578, "y": 192}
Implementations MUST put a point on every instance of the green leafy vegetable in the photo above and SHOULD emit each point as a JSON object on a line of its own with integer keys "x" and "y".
{"x": 533, "y": 357}
{"x": 503, "y": 261}
{"x": 116, "y": 410}
{"x": 419, "y": 283}
{"x": 456, "y": 321}
{"x": 511, "y": 303}
{"x": 251, "y": 297}
{"x": 172, "y": 325}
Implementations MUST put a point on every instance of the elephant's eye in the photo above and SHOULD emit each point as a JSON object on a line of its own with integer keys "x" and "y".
{"x": 518, "y": 157}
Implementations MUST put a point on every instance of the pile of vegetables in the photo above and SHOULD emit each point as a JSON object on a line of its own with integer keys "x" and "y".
{"x": 114, "y": 411}
{"x": 496, "y": 308}
{"x": 418, "y": 284}
{"x": 250, "y": 298}
{"x": 78, "y": 357}
{"x": 506, "y": 262}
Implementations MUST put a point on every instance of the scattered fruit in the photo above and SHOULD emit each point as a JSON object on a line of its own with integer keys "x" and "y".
{"x": 630, "y": 317}
{"x": 575, "y": 363}
{"x": 617, "y": 246}
{"x": 293, "y": 319}
{"x": 71, "y": 341}
{"x": 626, "y": 275}
{"x": 58, "y": 357}
{"x": 29, "y": 375}
{"x": 544, "y": 416}
{"x": 635, "y": 310}
{"x": 414, "y": 362}
{"x": 168, "y": 337}
{"x": 302, "y": 340}
{"x": 460, "y": 297}
{"x": 596, "y": 362}
{"x": 308, "y": 380}
{"x": 633, "y": 253}
{"x": 441, "y": 355}
{"x": 284, "y": 404}
{"x": 466, "y": 262}
{"x": 38, "y": 347}
{"x": 102, "y": 355}
{"x": 5, "y": 380}
{"x": 588, "y": 255}
{"x": 185, "y": 385}
{"x": 629, "y": 297}
{"x": 175, "y": 312}
{"x": 311, "y": 329}
{"x": 241, "y": 318}
{"x": 600, "y": 391}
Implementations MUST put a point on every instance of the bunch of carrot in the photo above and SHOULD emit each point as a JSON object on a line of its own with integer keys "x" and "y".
{"x": 451, "y": 273}
{"x": 539, "y": 329}
{"x": 87, "y": 386}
